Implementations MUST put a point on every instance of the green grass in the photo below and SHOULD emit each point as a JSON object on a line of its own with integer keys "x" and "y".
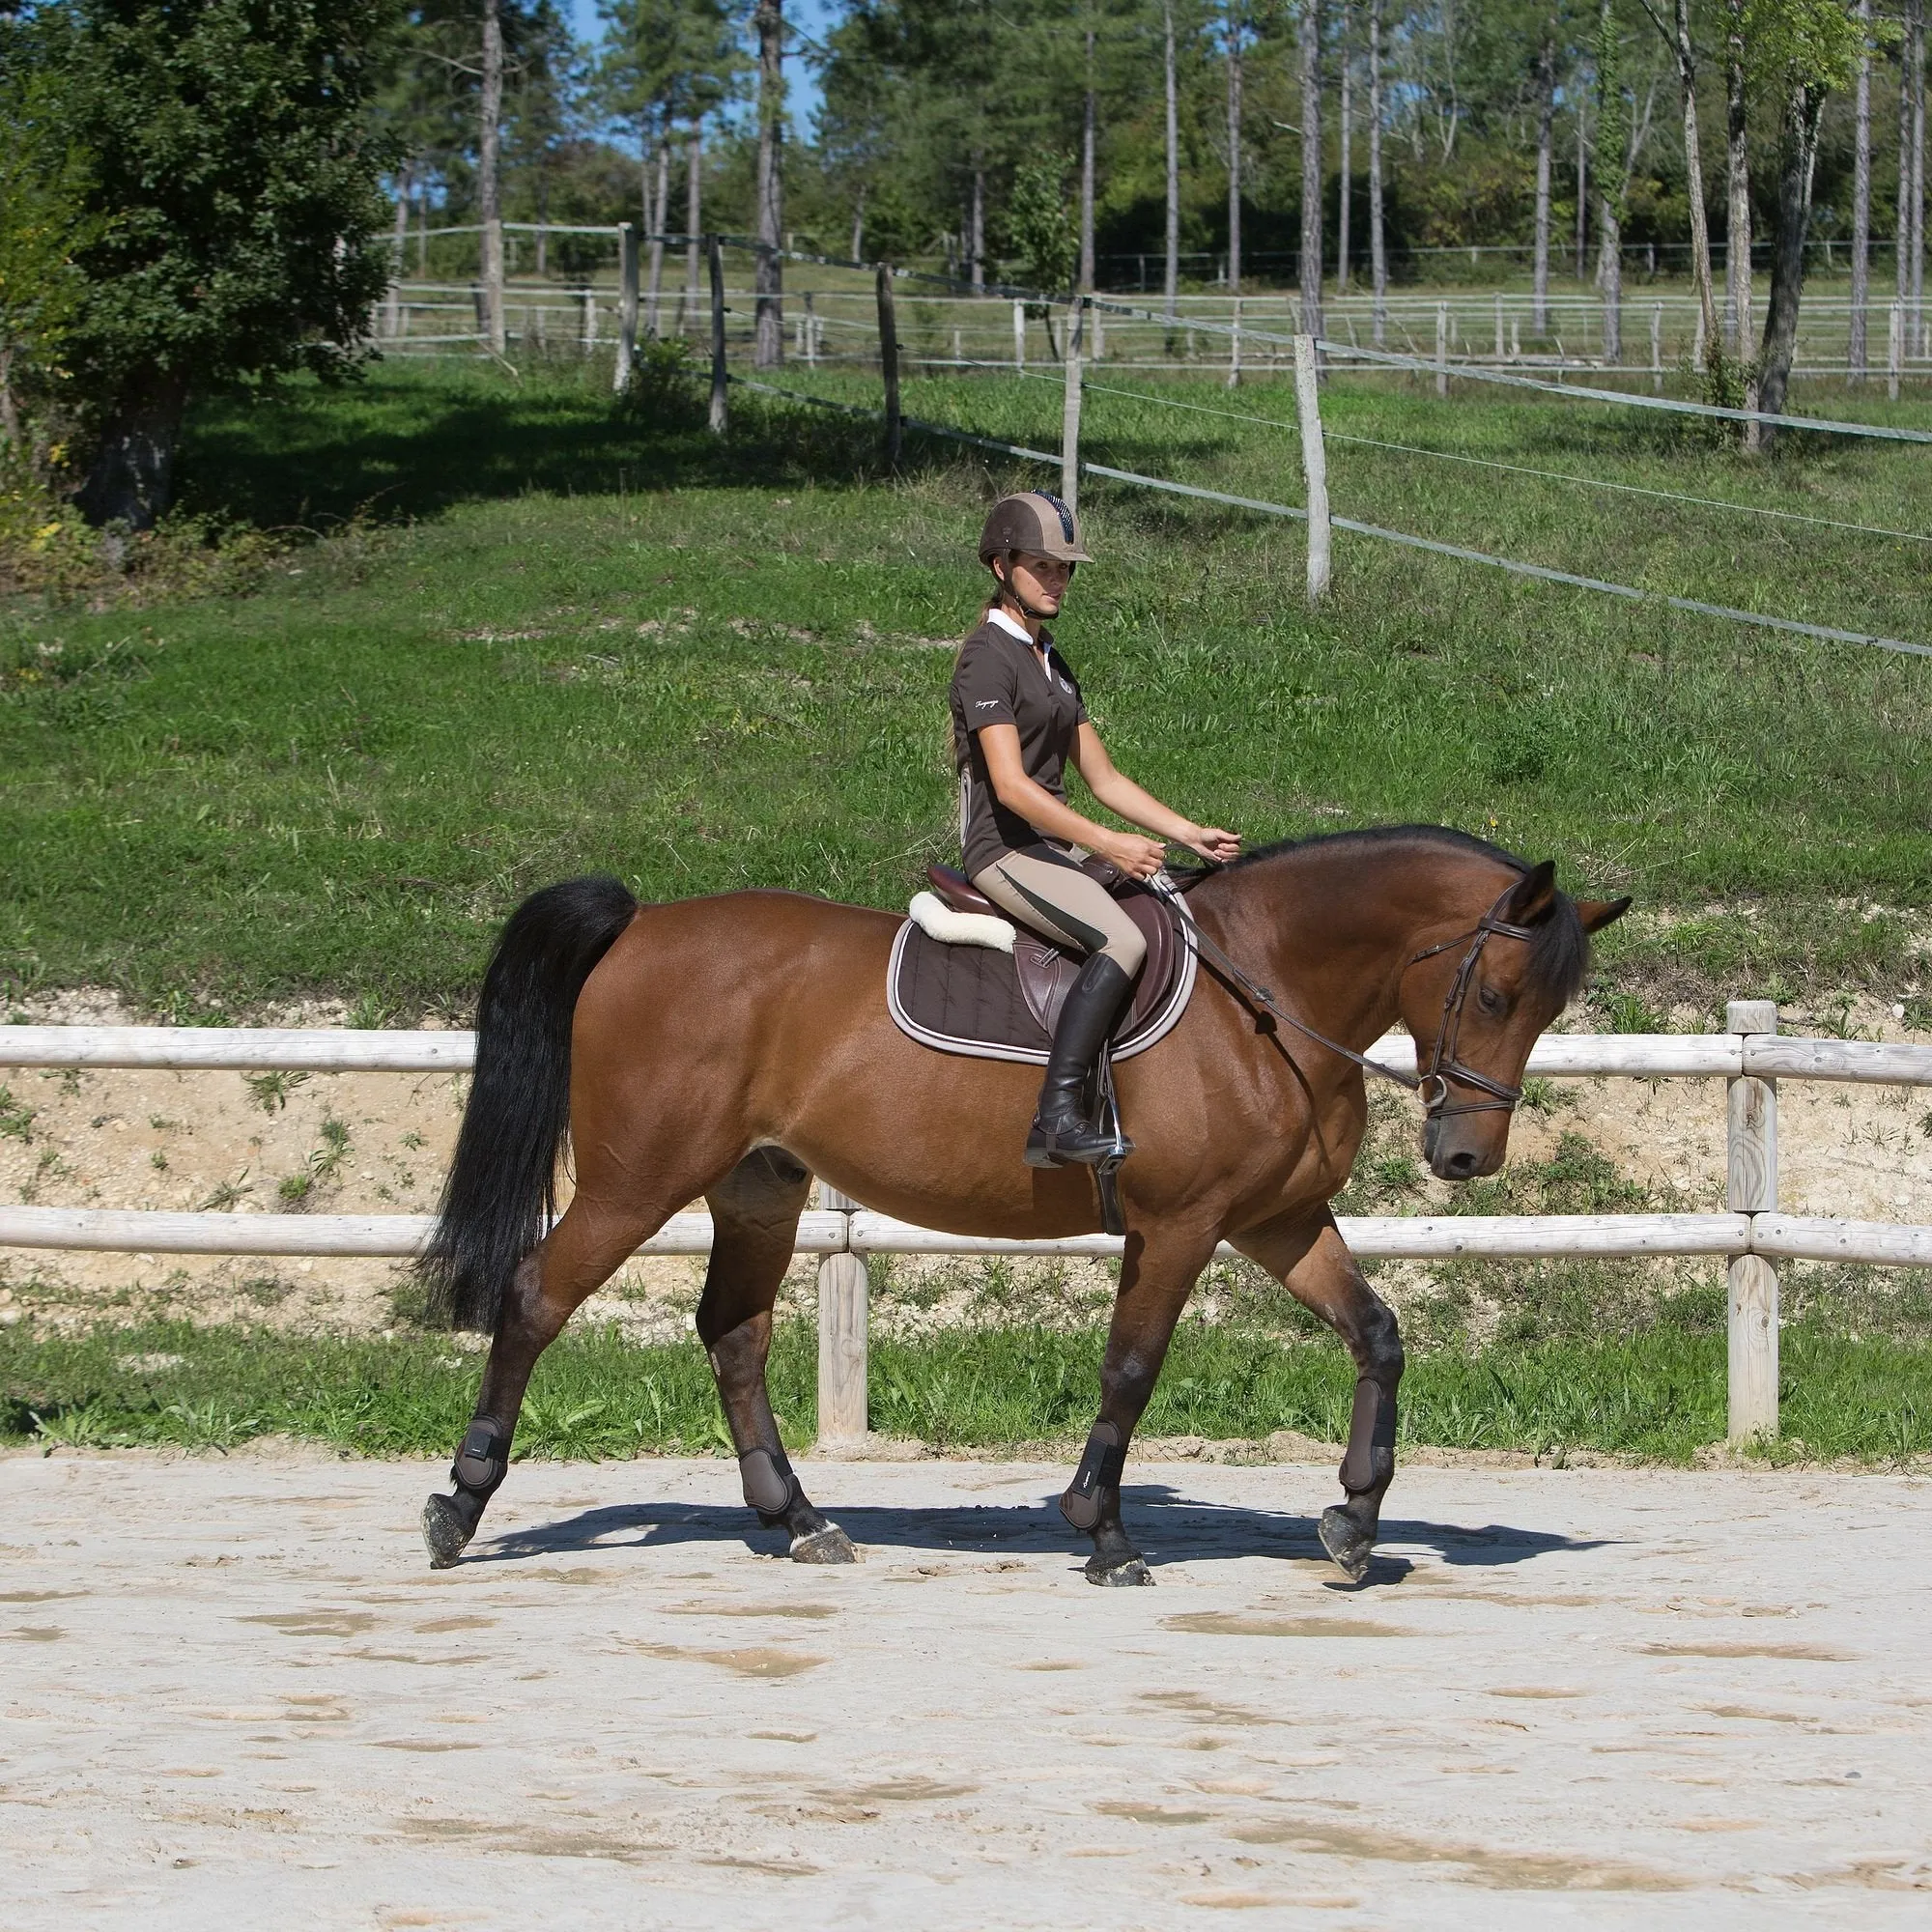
{"x": 1656, "y": 1394}
{"x": 545, "y": 633}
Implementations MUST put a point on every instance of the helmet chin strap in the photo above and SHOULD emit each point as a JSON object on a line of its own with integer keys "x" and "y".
{"x": 1010, "y": 593}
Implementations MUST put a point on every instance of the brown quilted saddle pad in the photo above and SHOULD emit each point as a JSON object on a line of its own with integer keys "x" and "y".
{"x": 1004, "y": 1005}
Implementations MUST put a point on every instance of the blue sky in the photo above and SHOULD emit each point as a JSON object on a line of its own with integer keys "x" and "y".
{"x": 810, "y": 15}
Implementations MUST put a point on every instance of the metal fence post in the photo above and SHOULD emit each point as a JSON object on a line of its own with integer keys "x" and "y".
{"x": 627, "y": 305}
{"x": 1019, "y": 335}
{"x": 1751, "y": 1187}
{"x": 1314, "y": 464}
{"x": 889, "y": 363}
{"x": 1442, "y": 349}
{"x": 1069, "y": 408}
{"x": 1894, "y": 350}
{"x": 841, "y": 1333}
{"x": 1234, "y": 348}
{"x": 721, "y": 412}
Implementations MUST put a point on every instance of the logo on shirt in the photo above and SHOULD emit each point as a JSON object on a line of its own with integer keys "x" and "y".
{"x": 988, "y": 704}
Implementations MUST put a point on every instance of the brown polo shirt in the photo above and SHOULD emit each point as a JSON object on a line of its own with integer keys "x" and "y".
{"x": 999, "y": 679}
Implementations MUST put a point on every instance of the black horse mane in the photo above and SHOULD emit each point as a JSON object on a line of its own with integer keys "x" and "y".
{"x": 1559, "y": 956}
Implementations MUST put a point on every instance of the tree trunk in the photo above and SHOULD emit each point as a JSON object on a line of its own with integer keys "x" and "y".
{"x": 769, "y": 349}
{"x": 1546, "y": 124}
{"x": 1311, "y": 167}
{"x": 694, "y": 223}
{"x": 1797, "y": 159}
{"x": 1901, "y": 235}
{"x": 1917, "y": 291}
{"x": 1347, "y": 191}
{"x": 1583, "y": 187}
{"x": 489, "y": 210}
{"x": 1856, "y": 346}
{"x": 131, "y": 480}
{"x": 976, "y": 227}
{"x": 1089, "y": 132}
{"x": 1173, "y": 282}
{"x": 859, "y": 224}
{"x": 1377, "y": 236}
{"x": 1737, "y": 183}
{"x": 1694, "y": 172}
{"x": 654, "y": 288}
{"x": 542, "y": 222}
{"x": 1233, "y": 147}
{"x": 1610, "y": 197}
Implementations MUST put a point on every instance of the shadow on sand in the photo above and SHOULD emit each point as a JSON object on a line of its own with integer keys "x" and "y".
{"x": 1168, "y": 1526}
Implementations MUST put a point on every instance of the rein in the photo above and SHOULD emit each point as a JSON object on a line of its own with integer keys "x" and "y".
{"x": 1443, "y": 1065}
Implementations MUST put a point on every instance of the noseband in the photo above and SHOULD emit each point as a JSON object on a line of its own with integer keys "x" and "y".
{"x": 1443, "y": 1065}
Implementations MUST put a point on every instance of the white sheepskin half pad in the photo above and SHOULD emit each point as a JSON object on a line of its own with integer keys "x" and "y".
{"x": 938, "y": 921}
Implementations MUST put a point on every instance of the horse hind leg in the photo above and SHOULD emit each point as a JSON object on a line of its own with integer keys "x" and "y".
{"x": 576, "y": 1257}
{"x": 755, "y": 1212}
{"x": 1313, "y": 1263}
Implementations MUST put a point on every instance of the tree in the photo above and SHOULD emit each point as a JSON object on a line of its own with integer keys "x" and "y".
{"x": 44, "y": 224}
{"x": 237, "y": 181}
{"x": 768, "y": 20}
{"x": 1310, "y": 45}
{"x": 1807, "y": 50}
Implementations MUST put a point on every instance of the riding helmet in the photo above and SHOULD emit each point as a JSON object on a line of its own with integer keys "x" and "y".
{"x": 1035, "y": 523}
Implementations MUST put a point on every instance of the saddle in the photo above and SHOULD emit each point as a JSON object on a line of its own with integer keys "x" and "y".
{"x": 995, "y": 1005}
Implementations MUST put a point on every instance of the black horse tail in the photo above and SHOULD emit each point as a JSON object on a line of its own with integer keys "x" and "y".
{"x": 502, "y": 1192}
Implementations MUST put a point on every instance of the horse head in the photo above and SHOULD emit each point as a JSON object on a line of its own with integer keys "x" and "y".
{"x": 1476, "y": 1004}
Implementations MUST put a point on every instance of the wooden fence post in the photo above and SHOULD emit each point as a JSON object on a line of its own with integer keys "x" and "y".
{"x": 721, "y": 411}
{"x": 1314, "y": 464}
{"x": 1657, "y": 347}
{"x": 1019, "y": 335}
{"x": 1097, "y": 346}
{"x": 889, "y": 362}
{"x": 1442, "y": 349}
{"x": 1894, "y": 350}
{"x": 1499, "y": 326}
{"x": 627, "y": 305}
{"x": 1069, "y": 408}
{"x": 1234, "y": 349}
{"x": 811, "y": 332}
{"x": 1751, "y": 1188}
{"x": 841, "y": 1334}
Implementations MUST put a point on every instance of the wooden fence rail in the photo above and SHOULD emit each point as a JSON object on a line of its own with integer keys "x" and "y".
{"x": 1751, "y": 1058}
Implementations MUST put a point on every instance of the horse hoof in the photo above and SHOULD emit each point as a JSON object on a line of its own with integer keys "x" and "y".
{"x": 443, "y": 1534}
{"x": 1128, "y": 1575}
{"x": 830, "y": 1544}
{"x": 1345, "y": 1539}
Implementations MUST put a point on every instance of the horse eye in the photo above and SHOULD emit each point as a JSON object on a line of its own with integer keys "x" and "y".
{"x": 1492, "y": 1002}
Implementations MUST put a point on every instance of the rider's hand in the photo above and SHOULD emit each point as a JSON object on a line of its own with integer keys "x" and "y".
{"x": 1137, "y": 857}
{"x": 1214, "y": 843}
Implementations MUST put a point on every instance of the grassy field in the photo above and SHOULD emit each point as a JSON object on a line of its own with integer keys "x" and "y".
{"x": 541, "y": 633}
{"x": 1657, "y": 1392}
{"x": 480, "y": 631}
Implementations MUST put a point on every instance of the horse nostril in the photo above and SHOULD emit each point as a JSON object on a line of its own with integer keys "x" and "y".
{"x": 1459, "y": 1166}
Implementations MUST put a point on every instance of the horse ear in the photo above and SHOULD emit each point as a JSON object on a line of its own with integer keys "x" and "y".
{"x": 1534, "y": 896}
{"x": 1596, "y": 914}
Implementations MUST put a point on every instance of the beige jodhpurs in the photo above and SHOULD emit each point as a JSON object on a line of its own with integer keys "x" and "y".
{"x": 1052, "y": 896}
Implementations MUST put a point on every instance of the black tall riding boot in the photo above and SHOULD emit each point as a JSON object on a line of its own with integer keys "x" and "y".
{"x": 1062, "y": 1131}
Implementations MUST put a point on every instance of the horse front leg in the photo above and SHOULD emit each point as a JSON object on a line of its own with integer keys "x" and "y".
{"x": 1310, "y": 1258}
{"x": 754, "y": 1215}
{"x": 1157, "y": 1277}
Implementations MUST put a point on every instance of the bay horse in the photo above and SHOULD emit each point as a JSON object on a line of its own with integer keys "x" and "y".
{"x": 734, "y": 1046}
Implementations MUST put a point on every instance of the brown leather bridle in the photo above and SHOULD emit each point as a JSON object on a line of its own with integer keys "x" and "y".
{"x": 1443, "y": 1065}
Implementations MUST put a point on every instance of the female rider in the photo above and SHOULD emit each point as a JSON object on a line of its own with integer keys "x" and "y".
{"x": 1017, "y": 721}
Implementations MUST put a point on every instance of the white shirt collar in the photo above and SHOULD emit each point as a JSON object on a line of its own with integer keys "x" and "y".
{"x": 1012, "y": 627}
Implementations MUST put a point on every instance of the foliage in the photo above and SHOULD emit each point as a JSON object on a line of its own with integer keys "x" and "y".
{"x": 1039, "y": 228}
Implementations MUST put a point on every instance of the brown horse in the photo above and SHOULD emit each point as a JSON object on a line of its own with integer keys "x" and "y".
{"x": 733, "y": 1047}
